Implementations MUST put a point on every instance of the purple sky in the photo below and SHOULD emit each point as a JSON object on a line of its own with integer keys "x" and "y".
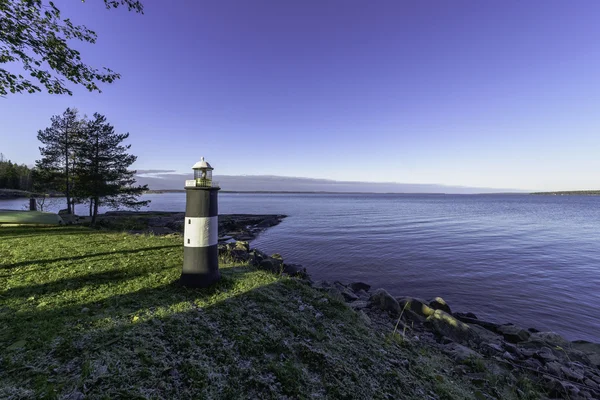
{"x": 501, "y": 94}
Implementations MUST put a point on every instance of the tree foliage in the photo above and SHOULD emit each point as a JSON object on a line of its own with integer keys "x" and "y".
{"x": 102, "y": 172}
{"x": 35, "y": 36}
{"x": 87, "y": 161}
{"x": 54, "y": 171}
{"x": 14, "y": 176}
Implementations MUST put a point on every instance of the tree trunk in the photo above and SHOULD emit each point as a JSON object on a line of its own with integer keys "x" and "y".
{"x": 95, "y": 215}
{"x": 67, "y": 193}
{"x": 91, "y": 205}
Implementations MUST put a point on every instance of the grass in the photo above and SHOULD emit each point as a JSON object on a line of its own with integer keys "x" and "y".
{"x": 99, "y": 314}
{"x": 13, "y": 217}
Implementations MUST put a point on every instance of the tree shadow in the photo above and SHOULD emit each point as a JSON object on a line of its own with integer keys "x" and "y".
{"x": 81, "y": 257}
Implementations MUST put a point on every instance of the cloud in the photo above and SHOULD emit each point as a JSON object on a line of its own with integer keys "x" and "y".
{"x": 244, "y": 183}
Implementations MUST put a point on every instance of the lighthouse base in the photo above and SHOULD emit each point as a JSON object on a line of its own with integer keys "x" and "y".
{"x": 200, "y": 266}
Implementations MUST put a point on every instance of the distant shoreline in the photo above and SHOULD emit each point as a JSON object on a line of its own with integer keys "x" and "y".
{"x": 161, "y": 191}
{"x": 570, "y": 193}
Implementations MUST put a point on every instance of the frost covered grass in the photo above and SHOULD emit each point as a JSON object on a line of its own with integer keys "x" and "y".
{"x": 93, "y": 314}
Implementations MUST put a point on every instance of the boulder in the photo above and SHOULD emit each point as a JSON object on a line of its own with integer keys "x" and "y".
{"x": 242, "y": 245}
{"x": 381, "y": 299}
{"x": 439, "y": 304}
{"x": 513, "y": 333}
{"x": 356, "y": 286}
{"x": 415, "y": 305}
{"x": 345, "y": 291}
{"x": 295, "y": 270}
{"x": 446, "y": 325}
{"x": 550, "y": 338}
{"x": 255, "y": 257}
{"x": 460, "y": 353}
{"x": 239, "y": 255}
{"x": 272, "y": 264}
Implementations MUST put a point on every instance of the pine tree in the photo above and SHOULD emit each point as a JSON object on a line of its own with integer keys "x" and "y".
{"x": 58, "y": 154}
{"x": 102, "y": 169}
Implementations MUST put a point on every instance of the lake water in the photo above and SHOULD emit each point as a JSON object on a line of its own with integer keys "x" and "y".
{"x": 531, "y": 260}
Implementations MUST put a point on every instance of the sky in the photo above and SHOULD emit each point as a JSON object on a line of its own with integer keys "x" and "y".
{"x": 501, "y": 94}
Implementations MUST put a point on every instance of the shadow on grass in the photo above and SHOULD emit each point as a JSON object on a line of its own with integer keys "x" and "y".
{"x": 116, "y": 276}
{"x": 82, "y": 257}
{"x": 225, "y": 341}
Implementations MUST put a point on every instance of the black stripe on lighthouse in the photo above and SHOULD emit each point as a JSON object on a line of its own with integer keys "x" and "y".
{"x": 200, "y": 251}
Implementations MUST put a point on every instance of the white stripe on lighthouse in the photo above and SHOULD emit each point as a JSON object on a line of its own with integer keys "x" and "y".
{"x": 201, "y": 231}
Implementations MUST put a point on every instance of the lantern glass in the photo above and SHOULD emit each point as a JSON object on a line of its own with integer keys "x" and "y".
{"x": 203, "y": 177}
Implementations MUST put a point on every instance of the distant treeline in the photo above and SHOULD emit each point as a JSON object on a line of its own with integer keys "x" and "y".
{"x": 14, "y": 176}
{"x": 573, "y": 192}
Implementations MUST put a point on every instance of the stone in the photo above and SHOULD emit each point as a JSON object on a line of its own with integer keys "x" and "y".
{"x": 356, "y": 286}
{"x": 295, "y": 270}
{"x": 546, "y": 355}
{"x": 446, "y": 325}
{"x": 507, "y": 356}
{"x": 239, "y": 255}
{"x": 554, "y": 368}
{"x": 381, "y": 299}
{"x": 242, "y": 245}
{"x": 474, "y": 321}
{"x": 592, "y": 350}
{"x": 460, "y": 353}
{"x": 513, "y": 333}
{"x": 439, "y": 304}
{"x": 572, "y": 373}
{"x": 591, "y": 383}
{"x": 415, "y": 305}
{"x": 358, "y": 304}
{"x": 277, "y": 256}
{"x": 271, "y": 264}
{"x": 533, "y": 364}
{"x": 550, "y": 338}
{"x": 362, "y": 294}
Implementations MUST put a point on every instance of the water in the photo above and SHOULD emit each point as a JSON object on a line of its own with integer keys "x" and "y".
{"x": 531, "y": 260}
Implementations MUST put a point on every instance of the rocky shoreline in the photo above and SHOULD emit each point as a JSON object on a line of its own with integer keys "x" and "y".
{"x": 231, "y": 226}
{"x": 484, "y": 352}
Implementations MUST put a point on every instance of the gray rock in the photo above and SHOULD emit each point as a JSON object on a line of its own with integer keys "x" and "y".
{"x": 439, "y": 304}
{"x": 358, "y": 304}
{"x": 356, "y": 286}
{"x": 572, "y": 373}
{"x": 513, "y": 333}
{"x": 554, "y": 368}
{"x": 415, "y": 305}
{"x": 362, "y": 294}
{"x": 446, "y": 325}
{"x": 546, "y": 355}
{"x": 272, "y": 265}
{"x": 242, "y": 245}
{"x": 239, "y": 255}
{"x": 295, "y": 270}
{"x": 533, "y": 364}
{"x": 381, "y": 299}
{"x": 459, "y": 352}
{"x": 507, "y": 356}
{"x": 550, "y": 338}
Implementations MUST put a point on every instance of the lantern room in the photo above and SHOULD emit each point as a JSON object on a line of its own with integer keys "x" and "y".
{"x": 203, "y": 173}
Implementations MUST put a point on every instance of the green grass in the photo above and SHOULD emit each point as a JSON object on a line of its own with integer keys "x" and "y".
{"x": 99, "y": 314}
{"x": 28, "y": 218}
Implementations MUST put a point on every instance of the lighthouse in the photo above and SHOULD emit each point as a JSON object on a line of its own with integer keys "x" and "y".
{"x": 201, "y": 229}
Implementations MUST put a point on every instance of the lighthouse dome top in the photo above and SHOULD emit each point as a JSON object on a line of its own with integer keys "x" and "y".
{"x": 202, "y": 164}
